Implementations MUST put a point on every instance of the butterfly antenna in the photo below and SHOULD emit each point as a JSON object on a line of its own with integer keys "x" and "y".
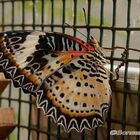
{"x": 76, "y": 30}
{"x": 86, "y": 22}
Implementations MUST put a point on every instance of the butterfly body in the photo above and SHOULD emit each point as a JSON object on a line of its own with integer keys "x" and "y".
{"x": 66, "y": 74}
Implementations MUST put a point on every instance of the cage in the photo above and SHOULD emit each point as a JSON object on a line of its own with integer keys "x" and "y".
{"x": 113, "y": 23}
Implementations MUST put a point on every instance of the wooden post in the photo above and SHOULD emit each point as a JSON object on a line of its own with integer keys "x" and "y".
{"x": 7, "y": 122}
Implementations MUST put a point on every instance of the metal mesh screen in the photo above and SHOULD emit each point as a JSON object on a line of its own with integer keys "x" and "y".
{"x": 113, "y": 23}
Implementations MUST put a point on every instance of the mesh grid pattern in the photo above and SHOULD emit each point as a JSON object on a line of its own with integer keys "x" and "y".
{"x": 113, "y": 23}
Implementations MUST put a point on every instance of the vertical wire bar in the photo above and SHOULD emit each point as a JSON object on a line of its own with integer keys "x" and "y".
{"x": 111, "y": 61}
{"x": 126, "y": 68}
{"x": 95, "y": 136}
{"x": 10, "y": 92}
{"x": 3, "y": 19}
{"x": 64, "y": 15}
{"x": 49, "y": 128}
{"x": 138, "y": 110}
{"x": 29, "y": 117}
{"x": 83, "y": 135}
{"x": 101, "y": 21}
{"x": 38, "y": 123}
{"x": 23, "y": 14}
{"x": 75, "y": 16}
{"x": 109, "y": 122}
{"x": 19, "y": 114}
{"x": 42, "y": 15}
{"x": 13, "y": 7}
{"x": 58, "y": 132}
{"x": 52, "y": 15}
{"x": 33, "y": 12}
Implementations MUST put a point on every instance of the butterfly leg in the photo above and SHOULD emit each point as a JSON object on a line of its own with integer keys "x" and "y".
{"x": 124, "y": 56}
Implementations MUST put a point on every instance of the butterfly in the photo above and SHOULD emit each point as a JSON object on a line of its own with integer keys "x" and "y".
{"x": 67, "y": 75}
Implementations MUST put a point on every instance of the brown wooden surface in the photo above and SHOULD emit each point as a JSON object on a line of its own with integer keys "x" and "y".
{"x": 7, "y": 122}
{"x": 3, "y": 83}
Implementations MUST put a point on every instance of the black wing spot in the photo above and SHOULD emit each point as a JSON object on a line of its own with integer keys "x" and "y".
{"x": 81, "y": 63}
{"x": 29, "y": 58}
{"x": 58, "y": 74}
{"x": 78, "y": 84}
{"x": 99, "y": 80}
{"x": 86, "y": 84}
{"x": 62, "y": 95}
{"x": 84, "y": 105}
{"x": 66, "y": 70}
{"x": 85, "y": 76}
{"x": 75, "y": 103}
{"x": 71, "y": 76}
{"x": 74, "y": 67}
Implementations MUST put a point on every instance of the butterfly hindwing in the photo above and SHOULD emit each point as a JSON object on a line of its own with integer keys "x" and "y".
{"x": 79, "y": 91}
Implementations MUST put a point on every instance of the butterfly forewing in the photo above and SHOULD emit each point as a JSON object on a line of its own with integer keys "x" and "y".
{"x": 70, "y": 82}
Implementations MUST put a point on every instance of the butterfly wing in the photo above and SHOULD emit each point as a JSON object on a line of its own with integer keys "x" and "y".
{"x": 27, "y": 58}
{"x": 15, "y": 50}
{"x": 72, "y": 88}
{"x": 77, "y": 95}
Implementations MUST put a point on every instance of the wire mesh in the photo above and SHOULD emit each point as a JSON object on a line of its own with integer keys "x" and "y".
{"x": 113, "y": 23}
